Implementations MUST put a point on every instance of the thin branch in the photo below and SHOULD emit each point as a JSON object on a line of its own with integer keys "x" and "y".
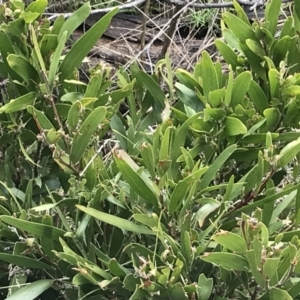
{"x": 252, "y": 3}
{"x": 100, "y": 10}
{"x": 171, "y": 31}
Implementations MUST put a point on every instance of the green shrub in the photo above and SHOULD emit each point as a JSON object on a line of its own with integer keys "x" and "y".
{"x": 192, "y": 193}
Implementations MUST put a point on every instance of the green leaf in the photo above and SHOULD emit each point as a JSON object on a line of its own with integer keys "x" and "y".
{"x": 138, "y": 181}
{"x": 74, "y": 114}
{"x": 255, "y": 61}
{"x": 228, "y": 91}
{"x": 189, "y": 97}
{"x": 56, "y": 59}
{"x": 240, "y": 88}
{"x": 23, "y": 261}
{"x": 180, "y": 136}
{"x": 85, "y": 132}
{"x": 177, "y": 292}
{"x": 276, "y": 293}
{"x": 226, "y": 260}
{"x": 19, "y": 104}
{"x": 116, "y": 269}
{"x": 272, "y": 13}
{"x": 82, "y": 47}
{"x": 288, "y": 153}
{"x": 228, "y": 54}
{"x": 210, "y": 79}
{"x": 292, "y": 91}
{"x": 22, "y": 66}
{"x": 281, "y": 50}
{"x": 234, "y": 126}
{"x": 154, "y": 88}
{"x": 33, "y": 227}
{"x": 255, "y": 264}
{"x": 274, "y": 82}
{"x": 270, "y": 266}
{"x": 257, "y": 96}
{"x": 272, "y": 198}
{"x": 37, "y": 6}
{"x": 32, "y": 290}
{"x": 75, "y": 20}
{"x": 182, "y": 188}
{"x": 242, "y": 30}
{"x": 148, "y": 158}
{"x": 256, "y": 47}
{"x": 283, "y": 205}
{"x": 188, "y": 79}
{"x": 123, "y": 224}
{"x": 210, "y": 206}
{"x": 29, "y": 17}
{"x": 216, "y": 166}
{"x": 231, "y": 241}
{"x": 204, "y": 288}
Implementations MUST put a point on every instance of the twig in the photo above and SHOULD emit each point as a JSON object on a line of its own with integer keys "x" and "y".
{"x": 144, "y": 25}
{"x": 252, "y": 3}
{"x": 170, "y": 32}
{"x": 100, "y": 10}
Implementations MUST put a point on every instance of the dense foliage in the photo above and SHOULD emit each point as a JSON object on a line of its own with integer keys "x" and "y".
{"x": 174, "y": 185}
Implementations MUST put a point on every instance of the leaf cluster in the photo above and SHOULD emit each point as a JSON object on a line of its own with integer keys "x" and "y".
{"x": 119, "y": 187}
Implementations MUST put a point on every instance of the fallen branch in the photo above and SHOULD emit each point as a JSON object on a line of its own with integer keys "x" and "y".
{"x": 252, "y": 3}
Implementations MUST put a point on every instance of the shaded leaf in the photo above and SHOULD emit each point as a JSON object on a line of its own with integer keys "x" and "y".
{"x": 31, "y": 291}
{"x": 115, "y": 221}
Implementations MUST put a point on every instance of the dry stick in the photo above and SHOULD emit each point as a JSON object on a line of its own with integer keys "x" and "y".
{"x": 170, "y": 32}
{"x": 144, "y": 27}
{"x": 252, "y": 4}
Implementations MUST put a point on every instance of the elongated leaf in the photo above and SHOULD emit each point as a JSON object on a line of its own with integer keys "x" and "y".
{"x": 271, "y": 14}
{"x": 180, "y": 137}
{"x": 31, "y": 291}
{"x": 19, "y": 103}
{"x": 140, "y": 183}
{"x": 226, "y": 260}
{"x": 74, "y": 114}
{"x": 34, "y": 228}
{"x": 231, "y": 241}
{"x": 55, "y": 59}
{"x": 255, "y": 264}
{"x": 115, "y": 221}
{"x": 262, "y": 202}
{"x": 240, "y": 88}
{"x": 22, "y": 66}
{"x": 228, "y": 54}
{"x": 82, "y": 47}
{"x": 189, "y": 97}
{"x": 182, "y": 188}
{"x": 283, "y": 205}
{"x": 154, "y": 88}
{"x": 256, "y": 48}
{"x": 75, "y": 20}
{"x": 257, "y": 96}
{"x": 288, "y": 153}
{"x": 23, "y": 261}
{"x": 210, "y": 79}
{"x": 215, "y": 167}
{"x": 242, "y": 30}
{"x": 85, "y": 132}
